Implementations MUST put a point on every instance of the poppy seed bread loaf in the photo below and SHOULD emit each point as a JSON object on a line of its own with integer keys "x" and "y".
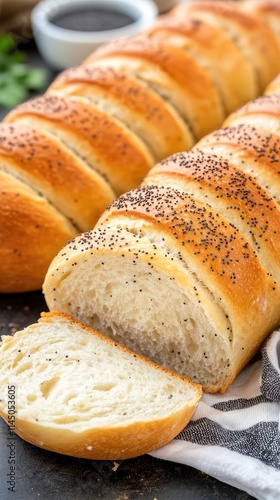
{"x": 99, "y": 128}
{"x": 185, "y": 269}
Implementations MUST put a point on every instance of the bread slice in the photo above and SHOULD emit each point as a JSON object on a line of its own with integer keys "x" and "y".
{"x": 78, "y": 393}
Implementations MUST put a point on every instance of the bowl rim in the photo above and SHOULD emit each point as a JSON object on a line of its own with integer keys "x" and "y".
{"x": 145, "y": 12}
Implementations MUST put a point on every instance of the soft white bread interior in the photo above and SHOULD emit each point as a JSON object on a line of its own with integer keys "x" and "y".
{"x": 80, "y": 394}
{"x": 100, "y": 127}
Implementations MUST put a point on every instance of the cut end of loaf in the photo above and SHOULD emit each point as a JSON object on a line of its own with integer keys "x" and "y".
{"x": 168, "y": 325}
{"x": 160, "y": 312}
{"x": 164, "y": 274}
{"x": 81, "y": 394}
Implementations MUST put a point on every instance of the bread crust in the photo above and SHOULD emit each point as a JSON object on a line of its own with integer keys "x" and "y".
{"x": 48, "y": 167}
{"x": 266, "y": 10}
{"x": 109, "y": 147}
{"x": 35, "y": 225}
{"x": 252, "y": 35}
{"x": 233, "y": 194}
{"x": 196, "y": 98}
{"x": 206, "y": 239}
{"x": 274, "y": 86}
{"x": 213, "y": 49}
{"x": 118, "y": 443}
{"x": 264, "y": 111}
{"x": 136, "y": 101}
{"x": 252, "y": 149}
{"x": 130, "y": 100}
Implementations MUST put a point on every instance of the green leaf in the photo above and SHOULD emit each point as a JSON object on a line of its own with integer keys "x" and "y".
{"x": 17, "y": 79}
{"x": 11, "y": 95}
{"x": 5, "y": 78}
{"x": 36, "y": 79}
{"x": 18, "y": 71}
{"x": 7, "y": 43}
{"x": 17, "y": 57}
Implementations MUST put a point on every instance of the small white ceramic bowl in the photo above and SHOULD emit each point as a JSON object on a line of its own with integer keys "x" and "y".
{"x": 62, "y": 48}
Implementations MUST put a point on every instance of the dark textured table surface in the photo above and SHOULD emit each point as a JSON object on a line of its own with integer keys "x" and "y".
{"x": 40, "y": 474}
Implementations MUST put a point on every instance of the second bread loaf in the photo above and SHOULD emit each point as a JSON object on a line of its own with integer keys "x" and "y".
{"x": 104, "y": 125}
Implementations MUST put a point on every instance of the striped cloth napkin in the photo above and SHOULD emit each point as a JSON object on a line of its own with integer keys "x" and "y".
{"x": 235, "y": 437}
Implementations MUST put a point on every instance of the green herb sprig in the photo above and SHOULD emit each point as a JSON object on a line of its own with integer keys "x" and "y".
{"x": 17, "y": 79}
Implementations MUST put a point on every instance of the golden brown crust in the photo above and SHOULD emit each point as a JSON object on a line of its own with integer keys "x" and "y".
{"x": 215, "y": 251}
{"x": 253, "y": 149}
{"x": 164, "y": 128}
{"x": 232, "y": 193}
{"x": 213, "y": 49}
{"x": 266, "y": 106}
{"x": 260, "y": 6}
{"x": 274, "y": 86}
{"x": 110, "y": 148}
{"x": 266, "y": 10}
{"x": 158, "y": 79}
{"x": 117, "y": 443}
{"x": 46, "y": 165}
{"x": 200, "y": 101}
{"x": 38, "y": 232}
{"x": 253, "y": 36}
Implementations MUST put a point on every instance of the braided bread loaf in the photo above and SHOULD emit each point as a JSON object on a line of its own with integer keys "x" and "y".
{"x": 100, "y": 127}
{"x": 185, "y": 269}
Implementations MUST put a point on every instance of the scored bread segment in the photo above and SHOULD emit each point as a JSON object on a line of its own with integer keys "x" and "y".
{"x": 131, "y": 101}
{"x": 254, "y": 38}
{"x": 233, "y": 193}
{"x": 104, "y": 143}
{"x": 23, "y": 211}
{"x": 212, "y": 48}
{"x": 171, "y": 72}
{"x": 41, "y": 161}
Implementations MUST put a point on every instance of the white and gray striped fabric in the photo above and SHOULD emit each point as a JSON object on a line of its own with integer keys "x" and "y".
{"x": 235, "y": 437}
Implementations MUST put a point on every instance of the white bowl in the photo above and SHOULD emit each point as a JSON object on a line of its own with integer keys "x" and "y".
{"x": 62, "y": 48}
